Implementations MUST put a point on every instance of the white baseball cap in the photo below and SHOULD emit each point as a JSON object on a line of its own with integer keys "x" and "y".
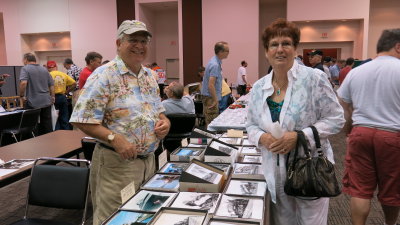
{"x": 132, "y": 26}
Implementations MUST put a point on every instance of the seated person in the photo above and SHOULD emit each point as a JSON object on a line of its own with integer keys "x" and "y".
{"x": 177, "y": 102}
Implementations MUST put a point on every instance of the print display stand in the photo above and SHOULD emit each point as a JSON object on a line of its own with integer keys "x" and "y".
{"x": 201, "y": 177}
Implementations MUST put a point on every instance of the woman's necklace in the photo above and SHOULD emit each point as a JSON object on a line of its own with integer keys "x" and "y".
{"x": 278, "y": 91}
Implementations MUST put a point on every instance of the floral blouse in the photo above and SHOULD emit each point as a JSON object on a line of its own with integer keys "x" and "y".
{"x": 309, "y": 100}
{"x": 122, "y": 101}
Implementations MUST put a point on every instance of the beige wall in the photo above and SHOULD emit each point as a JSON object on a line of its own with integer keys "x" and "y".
{"x": 343, "y": 34}
{"x": 385, "y": 14}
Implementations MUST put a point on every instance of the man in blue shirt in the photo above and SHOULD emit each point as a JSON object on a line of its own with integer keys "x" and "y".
{"x": 212, "y": 82}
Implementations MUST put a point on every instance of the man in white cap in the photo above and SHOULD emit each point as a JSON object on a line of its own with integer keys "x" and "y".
{"x": 120, "y": 107}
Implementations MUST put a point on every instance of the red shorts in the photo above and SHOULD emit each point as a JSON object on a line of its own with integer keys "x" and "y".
{"x": 373, "y": 159}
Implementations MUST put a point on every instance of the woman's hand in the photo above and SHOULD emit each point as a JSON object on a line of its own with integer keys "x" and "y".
{"x": 266, "y": 140}
{"x": 285, "y": 144}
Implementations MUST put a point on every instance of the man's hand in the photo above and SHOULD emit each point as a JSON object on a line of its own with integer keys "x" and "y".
{"x": 162, "y": 127}
{"x": 284, "y": 144}
{"x": 213, "y": 105}
{"x": 124, "y": 148}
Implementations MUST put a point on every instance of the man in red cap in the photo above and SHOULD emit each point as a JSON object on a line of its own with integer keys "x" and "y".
{"x": 63, "y": 84}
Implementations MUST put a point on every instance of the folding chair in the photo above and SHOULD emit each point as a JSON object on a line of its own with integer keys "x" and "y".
{"x": 29, "y": 121}
{"x": 8, "y": 122}
{"x": 57, "y": 186}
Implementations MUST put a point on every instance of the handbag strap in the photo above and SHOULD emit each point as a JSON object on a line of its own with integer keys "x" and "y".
{"x": 316, "y": 137}
{"x": 301, "y": 141}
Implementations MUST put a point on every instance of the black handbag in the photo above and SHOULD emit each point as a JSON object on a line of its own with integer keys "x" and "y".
{"x": 310, "y": 176}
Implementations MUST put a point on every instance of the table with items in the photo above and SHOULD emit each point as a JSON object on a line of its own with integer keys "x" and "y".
{"x": 213, "y": 180}
{"x": 234, "y": 117}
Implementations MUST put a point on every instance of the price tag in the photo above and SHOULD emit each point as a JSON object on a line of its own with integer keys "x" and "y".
{"x": 162, "y": 159}
{"x": 128, "y": 192}
{"x": 235, "y": 133}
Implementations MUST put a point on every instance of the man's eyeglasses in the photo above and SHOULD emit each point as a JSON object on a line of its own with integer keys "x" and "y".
{"x": 285, "y": 45}
{"x": 137, "y": 41}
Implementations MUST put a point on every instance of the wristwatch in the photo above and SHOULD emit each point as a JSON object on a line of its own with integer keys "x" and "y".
{"x": 111, "y": 137}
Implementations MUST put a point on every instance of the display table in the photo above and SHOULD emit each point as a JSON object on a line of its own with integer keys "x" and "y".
{"x": 231, "y": 118}
{"x": 57, "y": 144}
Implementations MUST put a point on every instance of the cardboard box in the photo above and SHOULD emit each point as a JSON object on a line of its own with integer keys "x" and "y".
{"x": 220, "y": 152}
{"x": 186, "y": 154}
{"x": 201, "y": 177}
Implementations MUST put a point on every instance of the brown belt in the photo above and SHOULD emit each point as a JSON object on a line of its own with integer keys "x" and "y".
{"x": 112, "y": 149}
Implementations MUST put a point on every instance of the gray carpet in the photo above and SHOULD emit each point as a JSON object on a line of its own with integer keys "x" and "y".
{"x": 12, "y": 200}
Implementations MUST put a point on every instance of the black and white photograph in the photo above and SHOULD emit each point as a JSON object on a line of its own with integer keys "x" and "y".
{"x": 232, "y": 141}
{"x": 221, "y": 147}
{"x": 247, "y": 169}
{"x": 163, "y": 182}
{"x": 246, "y": 187}
{"x": 226, "y": 167}
{"x": 17, "y": 163}
{"x": 179, "y": 219}
{"x": 232, "y": 222}
{"x": 204, "y": 173}
{"x": 195, "y": 200}
{"x": 250, "y": 151}
{"x": 246, "y": 142}
{"x": 241, "y": 207}
{"x": 150, "y": 201}
{"x": 173, "y": 167}
{"x": 252, "y": 159}
{"x": 131, "y": 218}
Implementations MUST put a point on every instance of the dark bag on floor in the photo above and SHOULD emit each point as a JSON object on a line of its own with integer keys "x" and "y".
{"x": 310, "y": 176}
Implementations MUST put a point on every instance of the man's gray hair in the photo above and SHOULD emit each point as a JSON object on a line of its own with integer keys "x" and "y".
{"x": 177, "y": 90}
{"x": 30, "y": 57}
{"x": 388, "y": 39}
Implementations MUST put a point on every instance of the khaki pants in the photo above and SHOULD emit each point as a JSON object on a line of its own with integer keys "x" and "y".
{"x": 109, "y": 175}
{"x": 209, "y": 114}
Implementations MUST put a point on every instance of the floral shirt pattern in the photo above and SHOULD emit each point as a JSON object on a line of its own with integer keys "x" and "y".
{"x": 309, "y": 100}
{"x": 122, "y": 101}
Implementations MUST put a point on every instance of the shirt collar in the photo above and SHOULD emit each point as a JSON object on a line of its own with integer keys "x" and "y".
{"x": 291, "y": 73}
{"x": 219, "y": 61}
{"x": 123, "y": 69}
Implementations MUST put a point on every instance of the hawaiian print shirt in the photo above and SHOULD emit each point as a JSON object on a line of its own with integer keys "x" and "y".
{"x": 309, "y": 100}
{"x": 74, "y": 72}
{"x": 125, "y": 103}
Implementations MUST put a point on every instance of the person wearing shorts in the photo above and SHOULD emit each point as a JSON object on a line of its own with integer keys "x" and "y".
{"x": 371, "y": 99}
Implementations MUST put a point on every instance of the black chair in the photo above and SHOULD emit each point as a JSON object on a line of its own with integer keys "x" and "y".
{"x": 9, "y": 122}
{"x": 182, "y": 126}
{"x": 57, "y": 186}
{"x": 88, "y": 145}
{"x": 29, "y": 121}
